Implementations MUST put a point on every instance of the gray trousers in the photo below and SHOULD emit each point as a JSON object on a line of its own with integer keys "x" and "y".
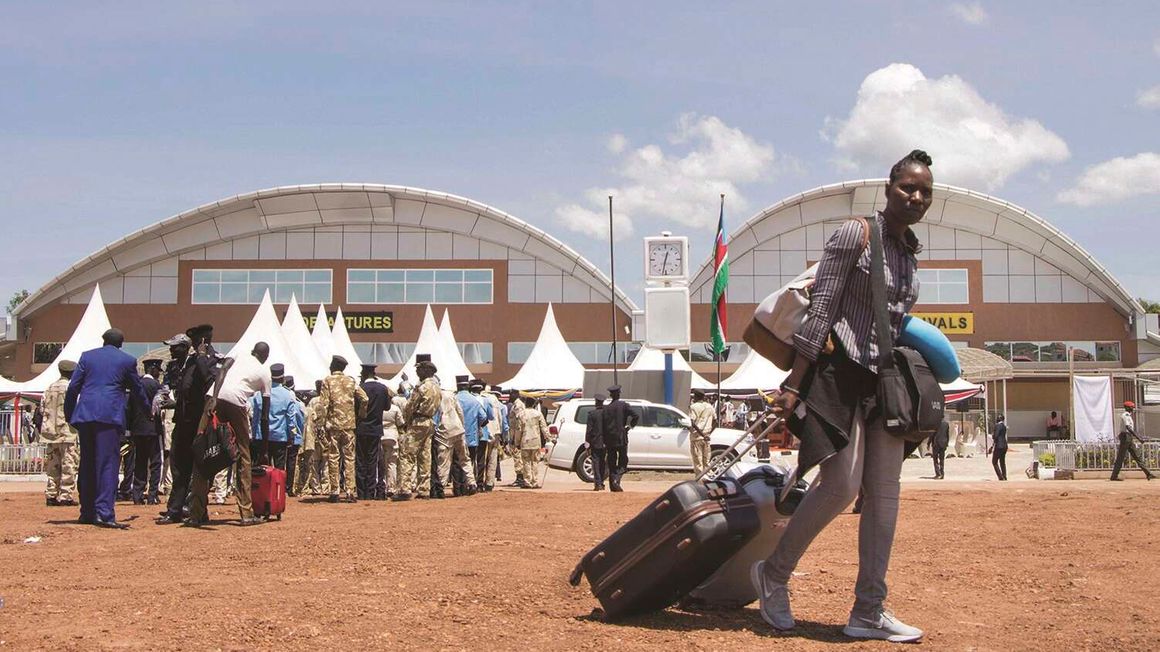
{"x": 871, "y": 461}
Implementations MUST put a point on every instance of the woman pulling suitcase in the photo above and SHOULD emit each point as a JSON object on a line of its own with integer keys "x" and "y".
{"x": 835, "y": 376}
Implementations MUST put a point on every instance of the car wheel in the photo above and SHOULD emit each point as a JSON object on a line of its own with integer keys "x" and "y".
{"x": 582, "y": 465}
{"x": 716, "y": 452}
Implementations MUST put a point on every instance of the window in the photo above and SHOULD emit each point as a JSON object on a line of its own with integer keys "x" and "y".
{"x": 398, "y": 353}
{"x": 588, "y": 353}
{"x": 1055, "y": 351}
{"x": 419, "y": 286}
{"x": 46, "y": 352}
{"x": 943, "y": 286}
{"x": 248, "y": 285}
{"x": 661, "y": 418}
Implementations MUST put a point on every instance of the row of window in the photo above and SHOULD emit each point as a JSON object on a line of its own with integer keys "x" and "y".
{"x": 1055, "y": 351}
{"x": 370, "y": 286}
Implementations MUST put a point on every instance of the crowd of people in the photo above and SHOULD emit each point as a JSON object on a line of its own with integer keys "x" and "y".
{"x": 344, "y": 439}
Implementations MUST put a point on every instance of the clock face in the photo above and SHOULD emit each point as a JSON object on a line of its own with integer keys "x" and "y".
{"x": 665, "y": 259}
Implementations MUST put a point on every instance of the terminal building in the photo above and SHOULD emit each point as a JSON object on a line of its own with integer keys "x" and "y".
{"x": 994, "y": 277}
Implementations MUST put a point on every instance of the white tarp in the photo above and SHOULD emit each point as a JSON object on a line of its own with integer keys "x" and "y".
{"x": 960, "y": 390}
{"x": 1092, "y": 398}
{"x": 87, "y": 335}
{"x": 313, "y": 367}
{"x": 453, "y": 364}
{"x": 431, "y": 343}
{"x": 754, "y": 373}
{"x": 650, "y": 359}
{"x": 265, "y": 327}
{"x": 344, "y": 347}
{"x": 323, "y": 341}
{"x": 551, "y": 364}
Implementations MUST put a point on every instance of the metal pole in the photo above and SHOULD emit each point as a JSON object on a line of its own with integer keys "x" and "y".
{"x": 669, "y": 379}
{"x": 1070, "y": 394}
{"x": 612, "y": 269}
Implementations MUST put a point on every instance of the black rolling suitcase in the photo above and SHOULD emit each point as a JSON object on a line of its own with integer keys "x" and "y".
{"x": 674, "y": 544}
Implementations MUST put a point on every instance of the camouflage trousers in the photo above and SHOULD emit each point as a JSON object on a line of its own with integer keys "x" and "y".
{"x": 517, "y": 460}
{"x": 531, "y": 465}
{"x": 415, "y": 458}
{"x": 456, "y": 447}
{"x": 60, "y": 463}
{"x": 699, "y": 450}
{"x": 338, "y": 444}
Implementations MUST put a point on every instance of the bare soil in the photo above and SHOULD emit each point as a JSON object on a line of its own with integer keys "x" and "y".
{"x": 1044, "y": 566}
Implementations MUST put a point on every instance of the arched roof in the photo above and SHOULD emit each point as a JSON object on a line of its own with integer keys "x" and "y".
{"x": 953, "y": 207}
{"x": 333, "y": 204}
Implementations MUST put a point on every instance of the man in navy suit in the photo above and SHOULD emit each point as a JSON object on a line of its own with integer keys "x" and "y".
{"x": 104, "y": 380}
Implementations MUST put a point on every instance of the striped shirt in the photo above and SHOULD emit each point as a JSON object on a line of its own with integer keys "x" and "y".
{"x": 840, "y": 299}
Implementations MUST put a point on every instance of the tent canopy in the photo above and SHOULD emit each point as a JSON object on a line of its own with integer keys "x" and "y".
{"x": 754, "y": 373}
{"x": 431, "y": 343}
{"x": 551, "y": 364}
{"x": 310, "y": 361}
{"x": 323, "y": 341}
{"x": 94, "y": 322}
{"x": 654, "y": 360}
{"x": 265, "y": 327}
{"x": 980, "y": 366}
{"x": 453, "y": 363}
{"x": 344, "y": 347}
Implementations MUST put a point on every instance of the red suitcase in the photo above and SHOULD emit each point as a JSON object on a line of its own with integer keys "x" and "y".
{"x": 268, "y": 491}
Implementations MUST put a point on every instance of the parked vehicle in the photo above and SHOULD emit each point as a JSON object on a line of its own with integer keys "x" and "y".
{"x": 659, "y": 442}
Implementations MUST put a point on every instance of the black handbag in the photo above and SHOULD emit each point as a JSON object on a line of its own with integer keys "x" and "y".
{"x": 910, "y": 400}
{"x": 215, "y": 448}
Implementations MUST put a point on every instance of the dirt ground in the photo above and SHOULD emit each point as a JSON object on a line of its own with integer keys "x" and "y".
{"x": 1043, "y": 566}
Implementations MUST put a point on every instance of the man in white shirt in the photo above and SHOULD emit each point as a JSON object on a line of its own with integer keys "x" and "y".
{"x": 247, "y": 377}
{"x": 1127, "y": 446}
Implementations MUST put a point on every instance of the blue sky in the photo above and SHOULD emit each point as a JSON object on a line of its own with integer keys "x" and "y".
{"x": 117, "y": 115}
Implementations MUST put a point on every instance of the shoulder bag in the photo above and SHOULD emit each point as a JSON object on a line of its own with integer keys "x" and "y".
{"x": 779, "y": 316}
{"x": 910, "y": 400}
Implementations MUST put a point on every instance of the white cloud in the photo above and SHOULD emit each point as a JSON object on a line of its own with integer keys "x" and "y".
{"x": 973, "y": 142}
{"x": 1115, "y": 180}
{"x": 971, "y": 13}
{"x": 673, "y": 187}
{"x": 1149, "y": 98}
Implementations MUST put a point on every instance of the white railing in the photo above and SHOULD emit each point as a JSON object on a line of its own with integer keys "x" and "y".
{"x": 1084, "y": 456}
{"x": 21, "y": 459}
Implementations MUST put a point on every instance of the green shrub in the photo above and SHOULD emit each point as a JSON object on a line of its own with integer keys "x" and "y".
{"x": 1047, "y": 459}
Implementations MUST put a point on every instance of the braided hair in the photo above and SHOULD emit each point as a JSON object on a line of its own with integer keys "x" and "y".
{"x": 915, "y": 157}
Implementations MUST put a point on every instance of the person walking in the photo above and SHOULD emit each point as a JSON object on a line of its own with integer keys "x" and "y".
{"x": 999, "y": 450}
{"x": 1127, "y": 446}
{"x": 938, "y": 448}
{"x": 422, "y": 405}
{"x": 515, "y": 406}
{"x": 368, "y": 450}
{"x": 483, "y": 442}
{"x": 245, "y": 378}
{"x": 534, "y": 438}
{"x": 594, "y": 442}
{"x": 145, "y": 430}
{"x": 700, "y": 427}
{"x": 341, "y": 403}
{"x": 61, "y": 453}
{"x": 837, "y": 383}
{"x": 619, "y": 418}
{"x": 104, "y": 381}
{"x": 190, "y": 374}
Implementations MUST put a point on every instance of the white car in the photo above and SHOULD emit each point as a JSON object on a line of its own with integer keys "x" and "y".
{"x": 660, "y": 441}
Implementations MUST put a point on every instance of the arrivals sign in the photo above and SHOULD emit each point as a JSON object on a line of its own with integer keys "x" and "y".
{"x": 950, "y": 323}
{"x": 359, "y": 322}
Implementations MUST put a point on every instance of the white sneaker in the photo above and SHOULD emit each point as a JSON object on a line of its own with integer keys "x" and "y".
{"x": 885, "y": 627}
{"x": 773, "y": 599}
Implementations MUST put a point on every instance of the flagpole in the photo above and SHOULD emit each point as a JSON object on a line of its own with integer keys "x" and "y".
{"x": 717, "y": 354}
{"x": 612, "y": 269}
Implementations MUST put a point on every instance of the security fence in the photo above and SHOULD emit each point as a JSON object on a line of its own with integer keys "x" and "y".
{"x": 21, "y": 459}
{"x": 1089, "y": 456}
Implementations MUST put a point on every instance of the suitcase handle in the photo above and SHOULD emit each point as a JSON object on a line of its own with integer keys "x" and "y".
{"x": 739, "y": 448}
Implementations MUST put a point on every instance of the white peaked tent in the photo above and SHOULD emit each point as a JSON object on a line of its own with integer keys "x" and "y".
{"x": 755, "y": 372}
{"x": 453, "y": 364}
{"x": 94, "y": 322}
{"x": 311, "y": 364}
{"x": 649, "y": 359}
{"x": 344, "y": 347}
{"x": 264, "y": 327}
{"x": 551, "y": 364}
{"x": 430, "y": 343}
{"x": 323, "y": 340}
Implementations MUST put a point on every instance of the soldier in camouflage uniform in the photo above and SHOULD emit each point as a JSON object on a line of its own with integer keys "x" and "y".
{"x": 424, "y": 402}
{"x": 306, "y": 475}
{"x": 61, "y": 454}
{"x": 515, "y": 407}
{"x": 534, "y": 438}
{"x": 335, "y": 410}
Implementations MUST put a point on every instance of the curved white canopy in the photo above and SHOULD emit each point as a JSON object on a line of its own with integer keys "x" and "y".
{"x": 264, "y": 327}
{"x": 313, "y": 367}
{"x": 453, "y": 364}
{"x": 654, "y": 360}
{"x": 551, "y": 364}
{"x": 94, "y": 322}
{"x": 430, "y": 342}
{"x": 344, "y": 347}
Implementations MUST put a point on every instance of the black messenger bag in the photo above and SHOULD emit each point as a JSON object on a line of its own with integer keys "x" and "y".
{"x": 910, "y": 400}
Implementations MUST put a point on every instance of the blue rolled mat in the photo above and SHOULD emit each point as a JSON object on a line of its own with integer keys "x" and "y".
{"x": 928, "y": 340}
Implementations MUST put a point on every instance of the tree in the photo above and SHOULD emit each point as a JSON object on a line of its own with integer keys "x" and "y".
{"x": 1150, "y": 306}
{"x": 16, "y": 299}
